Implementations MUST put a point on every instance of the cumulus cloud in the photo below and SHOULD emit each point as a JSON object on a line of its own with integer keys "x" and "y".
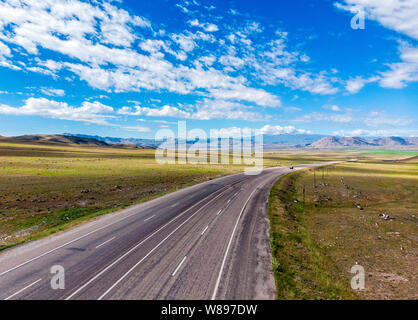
{"x": 266, "y": 130}
{"x": 240, "y": 92}
{"x": 5, "y": 54}
{"x": 402, "y": 72}
{"x": 108, "y": 48}
{"x": 165, "y": 111}
{"x": 93, "y": 112}
{"x": 206, "y": 109}
{"x": 354, "y": 85}
{"x": 223, "y": 109}
{"x": 208, "y": 27}
{"x": 118, "y": 67}
{"x": 332, "y": 107}
{"x": 277, "y": 130}
{"x": 400, "y": 16}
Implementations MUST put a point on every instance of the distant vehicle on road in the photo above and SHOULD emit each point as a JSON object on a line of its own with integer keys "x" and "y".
{"x": 292, "y": 167}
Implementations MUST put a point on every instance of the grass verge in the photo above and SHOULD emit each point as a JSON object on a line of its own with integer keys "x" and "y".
{"x": 351, "y": 213}
{"x": 301, "y": 267}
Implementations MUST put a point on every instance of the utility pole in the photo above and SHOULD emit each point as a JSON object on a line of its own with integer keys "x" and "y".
{"x": 304, "y": 195}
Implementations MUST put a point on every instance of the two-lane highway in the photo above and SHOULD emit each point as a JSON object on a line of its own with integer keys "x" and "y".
{"x": 209, "y": 241}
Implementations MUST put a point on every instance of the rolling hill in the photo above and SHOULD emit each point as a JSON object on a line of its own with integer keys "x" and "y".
{"x": 391, "y": 142}
{"x": 54, "y": 139}
{"x": 337, "y": 142}
{"x": 357, "y": 142}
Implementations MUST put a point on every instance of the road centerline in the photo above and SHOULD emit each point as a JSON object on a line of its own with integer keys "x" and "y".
{"x": 143, "y": 241}
{"x": 149, "y": 218}
{"x": 157, "y": 246}
{"x": 179, "y": 266}
{"x": 100, "y": 245}
{"x": 204, "y": 230}
{"x": 215, "y": 291}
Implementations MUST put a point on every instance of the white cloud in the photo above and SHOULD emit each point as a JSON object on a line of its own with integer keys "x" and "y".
{"x": 293, "y": 109}
{"x": 354, "y": 85}
{"x": 94, "y": 112}
{"x": 4, "y": 50}
{"x": 277, "y": 130}
{"x": 266, "y": 130}
{"x": 5, "y": 54}
{"x": 240, "y": 92}
{"x": 398, "y": 15}
{"x": 403, "y": 72}
{"x": 207, "y": 109}
{"x": 98, "y": 42}
{"x": 378, "y": 119}
{"x": 332, "y": 107}
{"x": 115, "y": 51}
{"x": 377, "y": 133}
{"x": 223, "y": 109}
{"x": 53, "y": 92}
{"x": 136, "y": 128}
{"x": 119, "y": 67}
{"x": 185, "y": 42}
{"x": 208, "y": 27}
{"x": 231, "y": 61}
{"x": 317, "y": 116}
{"x": 165, "y": 111}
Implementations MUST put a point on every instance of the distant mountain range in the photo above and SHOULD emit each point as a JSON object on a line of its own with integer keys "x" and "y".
{"x": 357, "y": 142}
{"x": 290, "y": 140}
{"x": 285, "y": 141}
{"x": 150, "y": 143}
{"x": 54, "y": 139}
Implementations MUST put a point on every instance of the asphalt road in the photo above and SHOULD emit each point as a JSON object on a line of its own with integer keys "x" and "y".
{"x": 209, "y": 241}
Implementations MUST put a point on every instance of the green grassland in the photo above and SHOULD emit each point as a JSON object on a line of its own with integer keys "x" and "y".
{"x": 47, "y": 188}
{"x": 317, "y": 238}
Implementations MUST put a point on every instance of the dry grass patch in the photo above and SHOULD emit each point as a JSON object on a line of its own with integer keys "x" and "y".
{"x": 365, "y": 213}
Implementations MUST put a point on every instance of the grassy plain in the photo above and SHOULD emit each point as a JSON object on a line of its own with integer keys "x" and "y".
{"x": 47, "y": 188}
{"x": 317, "y": 238}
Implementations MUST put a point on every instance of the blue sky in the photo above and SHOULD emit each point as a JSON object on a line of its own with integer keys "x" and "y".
{"x": 130, "y": 68}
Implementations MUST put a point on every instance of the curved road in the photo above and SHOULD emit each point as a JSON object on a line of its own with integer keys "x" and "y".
{"x": 209, "y": 241}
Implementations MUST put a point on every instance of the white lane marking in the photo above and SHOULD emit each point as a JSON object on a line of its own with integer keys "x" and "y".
{"x": 52, "y": 250}
{"x": 215, "y": 291}
{"x": 229, "y": 201}
{"x": 156, "y": 247}
{"x": 149, "y": 218}
{"x": 82, "y": 237}
{"x": 203, "y": 232}
{"x": 175, "y": 205}
{"x": 219, "y": 212}
{"x": 179, "y": 266}
{"x": 120, "y": 220}
{"x": 105, "y": 242}
{"x": 139, "y": 244}
{"x": 21, "y": 290}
